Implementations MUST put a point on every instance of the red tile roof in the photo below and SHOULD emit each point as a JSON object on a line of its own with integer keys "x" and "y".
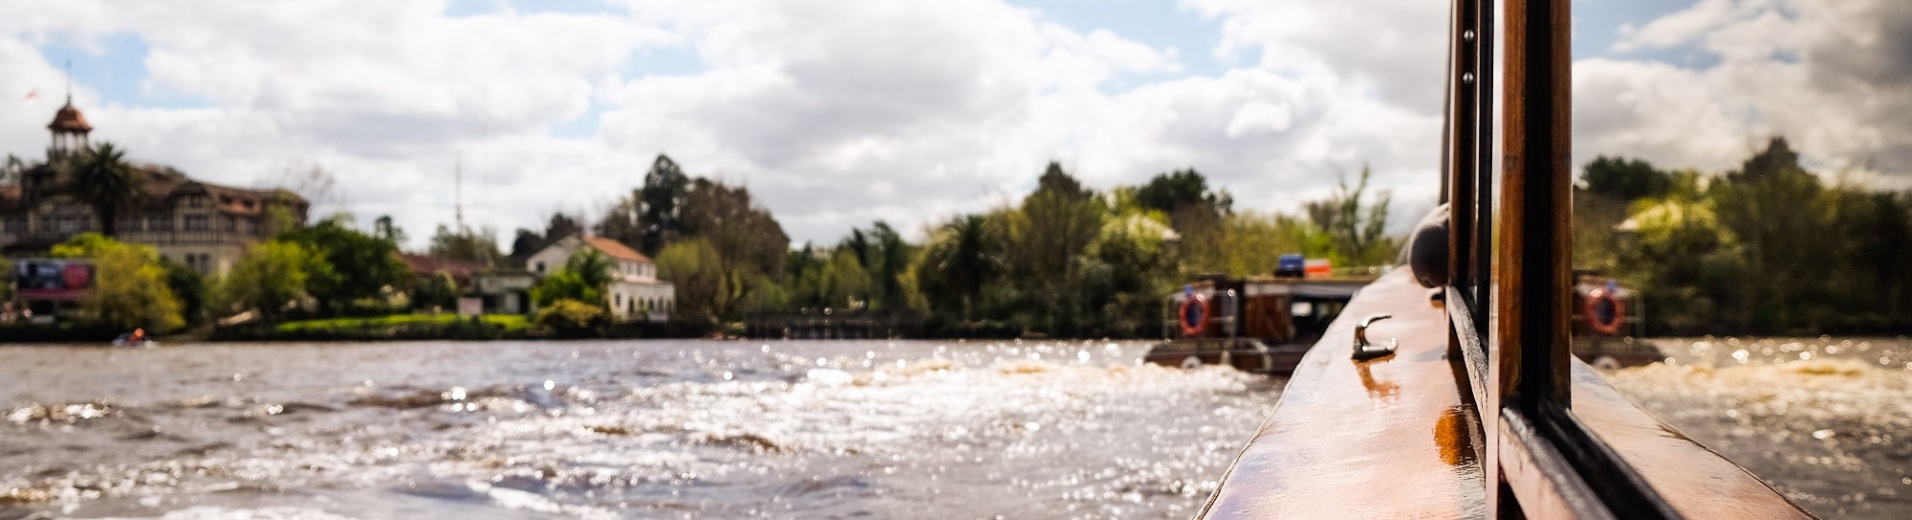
{"x": 616, "y": 249}
{"x": 460, "y": 270}
{"x": 68, "y": 119}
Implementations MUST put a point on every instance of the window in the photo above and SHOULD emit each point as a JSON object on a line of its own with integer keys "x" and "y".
{"x": 540, "y": 267}
{"x": 16, "y": 224}
{"x": 232, "y": 224}
{"x": 159, "y": 223}
{"x": 198, "y": 223}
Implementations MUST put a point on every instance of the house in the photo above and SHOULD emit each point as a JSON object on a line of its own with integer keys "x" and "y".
{"x": 634, "y": 293}
{"x": 203, "y": 225}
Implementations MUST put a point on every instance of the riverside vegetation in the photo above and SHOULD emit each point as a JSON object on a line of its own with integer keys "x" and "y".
{"x": 1769, "y": 247}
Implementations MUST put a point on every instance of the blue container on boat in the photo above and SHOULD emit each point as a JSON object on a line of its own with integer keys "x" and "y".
{"x": 1290, "y": 265}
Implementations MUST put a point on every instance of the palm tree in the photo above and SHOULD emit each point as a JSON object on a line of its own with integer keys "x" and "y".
{"x": 593, "y": 267}
{"x": 104, "y": 179}
{"x": 967, "y": 256}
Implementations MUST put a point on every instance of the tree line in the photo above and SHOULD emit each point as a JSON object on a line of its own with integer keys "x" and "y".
{"x": 1766, "y": 248}
{"x": 1065, "y": 260}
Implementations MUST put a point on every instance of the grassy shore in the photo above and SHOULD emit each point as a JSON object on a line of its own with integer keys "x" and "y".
{"x": 384, "y": 328}
{"x": 509, "y": 323}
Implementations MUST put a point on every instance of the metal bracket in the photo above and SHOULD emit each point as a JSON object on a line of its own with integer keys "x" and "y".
{"x": 1364, "y": 351}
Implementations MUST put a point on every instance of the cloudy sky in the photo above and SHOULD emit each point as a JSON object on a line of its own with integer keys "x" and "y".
{"x": 836, "y": 113}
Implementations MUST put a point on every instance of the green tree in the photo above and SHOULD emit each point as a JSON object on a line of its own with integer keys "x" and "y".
{"x": 1055, "y": 180}
{"x": 129, "y": 287}
{"x": 1687, "y": 265}
{"x": 190, "y": 287}
{"x": 962, "y": 257}
{"x": 884, "y": 256}
{"x": 653, "y": 215}
{"x": 479, "y": 246}
{"x": 358, "y": 266}
{"x": 1253, "y": 242}
{"x": 1054, "y": 225}
{"x": 104, "y": 179}
{"x": 592, "y": 267}
{"x": 1783, "y": 219}
{"x": 386, "y": 230}
{"x": 750, "y": 245}
{"x": 672, "y": 207}
{"x": 1871, "y": 267}
{"x": 1126, "y": 270}
{"x": 1173, "y": 191}
{"x": 438, "y": 291}
{"x": 1356, "y": 226}
{"x": 843, "y": 283}
{"x": 746, "y": 236}
{"x": 801, "y": 271}
{"x": 696, "y": 268}
{"x": 271, "y": 276}
{"x": 572, "y": 318}
{"x": 584, "y": 277}
{"x": 565, "y": 284}
{"x": 1625, "y": 180}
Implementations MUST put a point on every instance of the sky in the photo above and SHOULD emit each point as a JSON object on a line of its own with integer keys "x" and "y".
{"x": 838, "y": 113}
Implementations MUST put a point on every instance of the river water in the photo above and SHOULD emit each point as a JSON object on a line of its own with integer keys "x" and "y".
{"x": 1827, "y": 421}
{"x": 691, "y": 429}
{"x": 659, "y": 429}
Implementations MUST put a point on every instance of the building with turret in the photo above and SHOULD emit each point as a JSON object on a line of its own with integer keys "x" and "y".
{"x": 203, "y": 225}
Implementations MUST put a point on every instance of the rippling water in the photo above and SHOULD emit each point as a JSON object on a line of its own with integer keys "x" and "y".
{"x": 617, "y": 429}
{"x": 1826, "y": 421}
{"x": 794, "y": 429}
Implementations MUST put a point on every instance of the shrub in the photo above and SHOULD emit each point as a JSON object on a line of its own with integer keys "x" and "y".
{"x": 572, "y": 318}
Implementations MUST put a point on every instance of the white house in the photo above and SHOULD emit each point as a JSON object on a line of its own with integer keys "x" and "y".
{"x": 635, "y": 291}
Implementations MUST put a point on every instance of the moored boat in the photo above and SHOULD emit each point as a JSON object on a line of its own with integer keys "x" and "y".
{"x": 1606, "y": 325}
{"x": 1261, "y": 324}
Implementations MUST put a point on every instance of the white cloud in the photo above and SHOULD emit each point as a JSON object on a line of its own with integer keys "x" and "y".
{"x": 1833, "y": 77}
{"x": 839, "y": 112}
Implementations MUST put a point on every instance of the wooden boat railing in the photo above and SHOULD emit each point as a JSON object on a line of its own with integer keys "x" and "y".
{"x": 1520, "y": 428}
{"x": 1541, "y": 457}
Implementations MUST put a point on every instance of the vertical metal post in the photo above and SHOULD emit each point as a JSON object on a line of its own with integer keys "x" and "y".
{"x": 1462, "y": 133}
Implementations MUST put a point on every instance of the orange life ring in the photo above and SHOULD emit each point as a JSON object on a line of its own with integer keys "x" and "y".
{"x": 1193, "y": 325}
{"x": 1616, "y": 313}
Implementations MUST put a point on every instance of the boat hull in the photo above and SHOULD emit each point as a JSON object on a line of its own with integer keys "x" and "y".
{"x": 1398, "y": 436}
{"x": 1247, "y": 355}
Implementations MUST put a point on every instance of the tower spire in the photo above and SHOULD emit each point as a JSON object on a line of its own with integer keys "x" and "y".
{"x": 69, "y": 126}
